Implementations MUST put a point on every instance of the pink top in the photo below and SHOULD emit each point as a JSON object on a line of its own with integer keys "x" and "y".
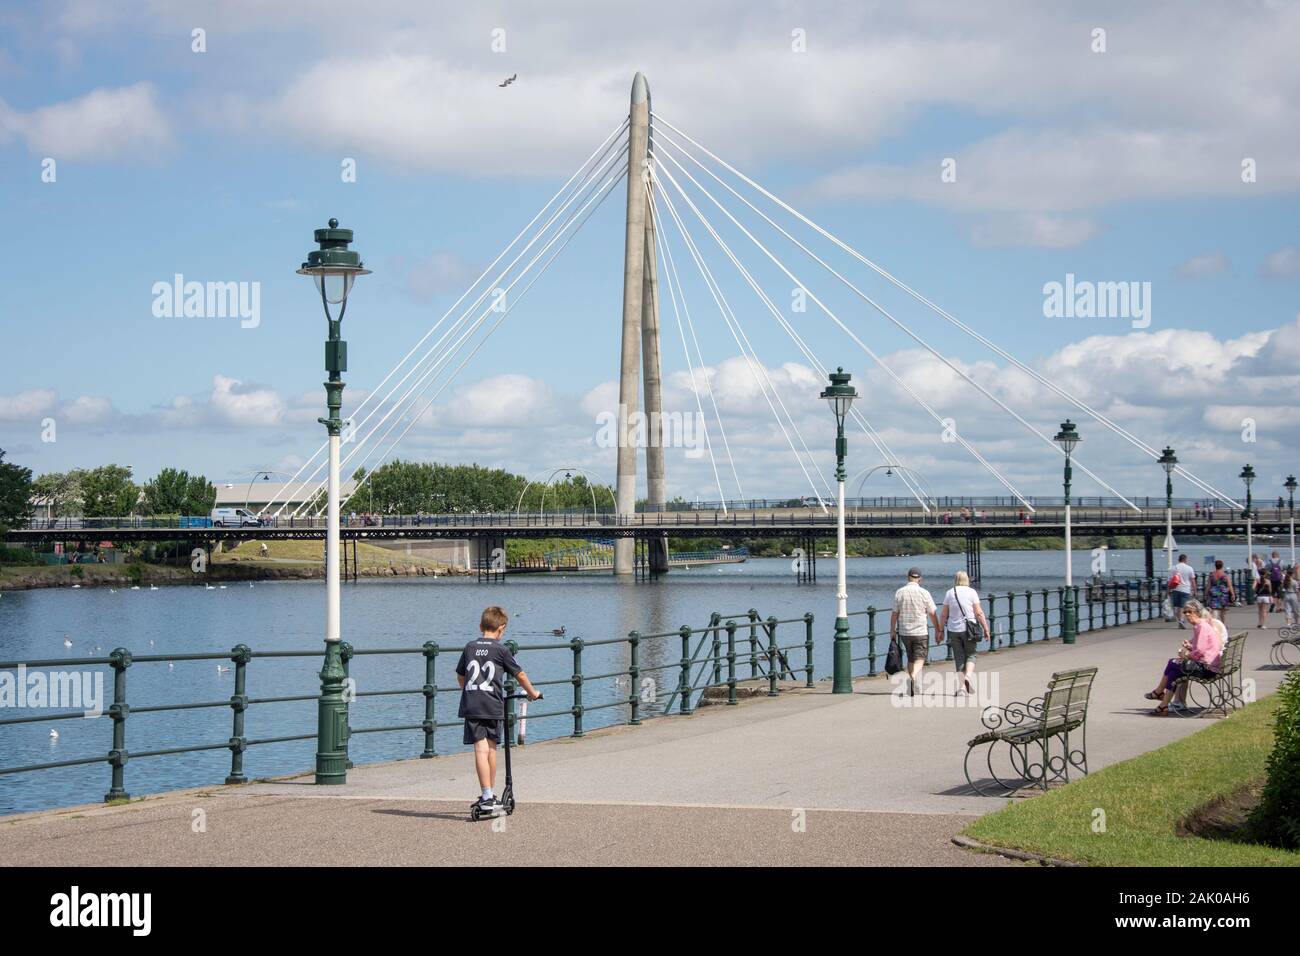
{"x": 1207, "y": 646}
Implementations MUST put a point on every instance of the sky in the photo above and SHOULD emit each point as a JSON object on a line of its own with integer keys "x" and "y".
{"x": 996, "y": 158}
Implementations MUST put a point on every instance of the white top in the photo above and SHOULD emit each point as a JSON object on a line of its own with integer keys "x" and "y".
{"x": 969, "y": 601}
{"x": 1188, "y": 574}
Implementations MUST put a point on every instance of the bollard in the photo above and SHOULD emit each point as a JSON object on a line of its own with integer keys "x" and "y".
{"x": 430, "y": 689}
{"x": 120, "y": 659}
{"x": 771, "y": 657}
{"x": 808, "y": 648}
{"x": 576, "y": 644}
{"x": 241, "y": 654}
{"x": 684, "y": 681}
{"x": 731, "y": 662}
{"x": 633, "y": 676}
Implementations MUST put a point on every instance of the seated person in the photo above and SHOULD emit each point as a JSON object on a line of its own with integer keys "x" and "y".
{"x": 1198, "y": 657}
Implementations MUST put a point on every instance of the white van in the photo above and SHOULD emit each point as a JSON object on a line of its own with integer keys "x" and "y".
{"x": 234, "y": 518}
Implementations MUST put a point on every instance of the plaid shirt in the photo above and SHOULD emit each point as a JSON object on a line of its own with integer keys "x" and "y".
{"x": 914, "y": 606}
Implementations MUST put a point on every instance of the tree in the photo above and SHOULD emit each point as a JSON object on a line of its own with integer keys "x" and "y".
{"x": 173, "y": 491}
{"x": 15, "y": 494}
{"x": 62, "y": 489}
{"x": 108, "y": 492}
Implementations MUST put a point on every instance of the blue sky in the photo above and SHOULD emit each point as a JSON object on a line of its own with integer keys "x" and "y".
{"x": 1114, "y": 166}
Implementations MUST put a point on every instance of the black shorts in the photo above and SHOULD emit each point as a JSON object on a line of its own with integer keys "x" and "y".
{"x": 477, "y": 729}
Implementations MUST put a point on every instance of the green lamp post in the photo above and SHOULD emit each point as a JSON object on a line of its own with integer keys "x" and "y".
{"x": 1290, "y": 487}
{"x": 1068, "y": 438}
{"x": 1248, "y": 477}
{"x": 1169, "y": 461}
{"x": 840, "y": 395}
{"x": 334, "y": 267}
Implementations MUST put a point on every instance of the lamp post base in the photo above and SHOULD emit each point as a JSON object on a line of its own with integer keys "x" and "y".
{"x": 332, "y": 724}
{"x": 1069, "y": 617}
{"x": 843, "y": 648}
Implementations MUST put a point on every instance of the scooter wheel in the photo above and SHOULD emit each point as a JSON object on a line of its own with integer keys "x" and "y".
{"x": 510, "y": 806}
{"x": 475, "y": 813}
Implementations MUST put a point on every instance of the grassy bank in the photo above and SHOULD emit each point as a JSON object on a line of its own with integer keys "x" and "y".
{"x": 1145, "y": 801}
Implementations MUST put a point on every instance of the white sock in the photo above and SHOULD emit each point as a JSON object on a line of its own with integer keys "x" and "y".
{"x": 487, "y": 793}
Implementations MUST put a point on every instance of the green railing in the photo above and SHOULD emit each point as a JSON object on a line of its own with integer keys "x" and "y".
{"x": 1023, "y": 617}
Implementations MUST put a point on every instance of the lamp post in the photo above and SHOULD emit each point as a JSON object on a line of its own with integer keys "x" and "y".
{"x": 1067, "y": 438}
{"x": 1248, "y": 476}
{"x": 840, "y": 395}
{"x": 1290, "y": 487}
{"x": 1169, "y": 461}
{"x": 334, "y": 267}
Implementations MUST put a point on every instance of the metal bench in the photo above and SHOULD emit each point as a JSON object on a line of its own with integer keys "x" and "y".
{"x": 1285, "y": 651}
{"x": 1044, "y": 737}
{"x": 1221, "y": 692}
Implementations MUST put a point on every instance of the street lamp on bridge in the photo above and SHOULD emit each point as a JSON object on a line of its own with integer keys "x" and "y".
{"x": 1067, "y": 438}
{"x": 334, "y": 267}
{"x": 840, "y": 395}
{"x": 1169, "y": 461}
{"x": 1248, "y": 476}
{"x": 1290, "y": 487}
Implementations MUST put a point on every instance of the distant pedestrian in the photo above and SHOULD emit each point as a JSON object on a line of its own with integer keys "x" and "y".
{"x": 961, "y": 606}
{"x": 1275, "y": 574}
{"x": 1263, "y": 598}
{"x": 914, "y": 612}
{"x": 1291, "y": 597}
{"x": 1182, "y": 584}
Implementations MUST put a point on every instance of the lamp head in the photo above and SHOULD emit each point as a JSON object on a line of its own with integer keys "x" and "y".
{"x": 1290, "y": 484}
{"x": 840, "y": 394}
{"x": 333, "y": 266}
{"x": 1168, "y": 460}
{"x": 1247, "y": 475}
{"x": 1067, "y": 437}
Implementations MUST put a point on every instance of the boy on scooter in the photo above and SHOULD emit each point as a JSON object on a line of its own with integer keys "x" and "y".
{"x": 481, "y": 672}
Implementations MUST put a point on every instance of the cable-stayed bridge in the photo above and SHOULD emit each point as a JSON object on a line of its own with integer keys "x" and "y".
{"x": 689, "y": 211}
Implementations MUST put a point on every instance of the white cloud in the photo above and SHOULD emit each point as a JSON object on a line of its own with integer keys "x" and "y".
{"x": 30, "y": 405}
{"x": 1034, "y": 229}
{"x": 102, "y": 124}
{"x": 233, "y": 402}
{"x": 1203, "y": 266}
{"x": 1282, "y": 264}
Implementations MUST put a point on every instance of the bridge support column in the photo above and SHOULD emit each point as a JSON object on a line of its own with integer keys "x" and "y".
{"x": 973, "y": 558}
{"x": 1150, "y": 555}
{"x": 635, "y": 278}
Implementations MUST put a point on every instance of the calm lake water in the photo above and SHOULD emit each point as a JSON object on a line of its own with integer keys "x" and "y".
{"x": 405, "y": 613}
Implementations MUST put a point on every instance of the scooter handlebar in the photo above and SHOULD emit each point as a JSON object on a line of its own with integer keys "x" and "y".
{"x": 522, "y": 697}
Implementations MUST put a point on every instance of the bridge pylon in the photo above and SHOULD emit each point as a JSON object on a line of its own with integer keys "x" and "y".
{"x": 639, "y": 356}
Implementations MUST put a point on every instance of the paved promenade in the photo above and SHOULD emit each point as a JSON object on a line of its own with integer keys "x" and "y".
{"x": 870, "y": 782}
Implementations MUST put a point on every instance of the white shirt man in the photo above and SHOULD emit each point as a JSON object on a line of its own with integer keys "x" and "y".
{"x": 1181, "y": 594}
{"x": 914, "y": 612}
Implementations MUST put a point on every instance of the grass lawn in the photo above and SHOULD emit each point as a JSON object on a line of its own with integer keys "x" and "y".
{"x": 288, "y": 553}
{"x": 1144, "y": 799}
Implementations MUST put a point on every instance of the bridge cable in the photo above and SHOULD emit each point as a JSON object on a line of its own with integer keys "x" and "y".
{"x": 898, "y": 283}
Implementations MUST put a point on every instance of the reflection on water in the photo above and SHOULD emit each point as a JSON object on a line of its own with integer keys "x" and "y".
{"x": 406, "y": 613}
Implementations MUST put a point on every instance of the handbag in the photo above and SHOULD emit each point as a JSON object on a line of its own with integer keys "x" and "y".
{"x": 974, "y": 628}
{"x": 894, "y": 657}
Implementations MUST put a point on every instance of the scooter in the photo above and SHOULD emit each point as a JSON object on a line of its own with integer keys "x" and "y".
{"x": 508, "y": 794}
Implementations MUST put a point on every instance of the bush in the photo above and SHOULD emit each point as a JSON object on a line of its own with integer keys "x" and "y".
{"x": 1276, "y": 821}
{"x": 77, "y": 571}
{"x": 135, "y": 572}
{"x": 18, "y": 556}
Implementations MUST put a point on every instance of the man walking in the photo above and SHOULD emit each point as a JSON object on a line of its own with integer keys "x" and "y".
{"x": 914, "y": 612}
{"x": 1183, "y": 591}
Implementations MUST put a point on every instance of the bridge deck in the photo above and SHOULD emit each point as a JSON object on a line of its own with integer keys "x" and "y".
{"x": 879, "y": 784}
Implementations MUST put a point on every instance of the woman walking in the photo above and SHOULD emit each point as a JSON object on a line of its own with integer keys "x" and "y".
{"x": 1291, "y": 595}
{"x": 1219, "y": 594}
{"x": 961, "y": 607}
{"x": 1263, "y": 597}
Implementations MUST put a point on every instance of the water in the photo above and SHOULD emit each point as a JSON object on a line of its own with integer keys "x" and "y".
{"x": 406, "y": 613}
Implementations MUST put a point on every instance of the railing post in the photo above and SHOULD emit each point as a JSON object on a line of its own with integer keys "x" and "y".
{"x": 684, "y": 682}
{"x": 753, "y": 643}
{"x": 634, "y": 675}
{"x": 808, "y": 648}
{"x": 771, "y": 657}
{"x": 241, "y": 654}
{"x": 871, "y": 641}
{"x": 576, "y": 645}
{"x": 731, "y": 662}
{"x": 120, "y": 659}
{"x": 349, "y": 697}
{"x": 1011, "y": 619}
{"x": 714, "y": 620}
{"x": 430, "y": 698}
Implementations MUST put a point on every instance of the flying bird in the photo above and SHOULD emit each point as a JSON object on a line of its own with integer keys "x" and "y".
{"x": 508, "y": 81}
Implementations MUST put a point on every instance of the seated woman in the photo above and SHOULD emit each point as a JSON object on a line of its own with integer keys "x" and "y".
{"x": 1198, "y": 657}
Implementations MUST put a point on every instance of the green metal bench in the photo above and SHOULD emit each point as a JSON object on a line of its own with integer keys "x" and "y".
{"x": 1044, "y": 737}
{"x": 1220, "y": 692}
{"x": 1285, "y": 651}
